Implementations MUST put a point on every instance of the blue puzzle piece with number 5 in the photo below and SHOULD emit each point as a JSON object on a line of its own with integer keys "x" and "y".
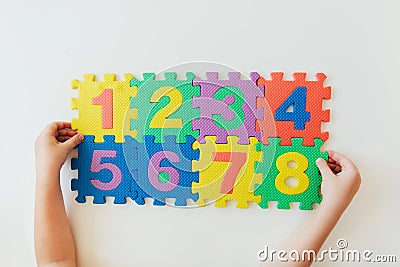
{"x": 103, "y": 172}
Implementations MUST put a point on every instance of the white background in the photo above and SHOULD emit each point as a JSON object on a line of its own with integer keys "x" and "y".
{"x": 46, "y": 44}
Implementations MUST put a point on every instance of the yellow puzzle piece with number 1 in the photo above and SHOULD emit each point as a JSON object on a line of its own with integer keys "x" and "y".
{"x": 102, "y": 106}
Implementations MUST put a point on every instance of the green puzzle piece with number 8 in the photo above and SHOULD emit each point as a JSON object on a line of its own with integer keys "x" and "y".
{"x": 164, "y": 107}
{"x": 282, "y": 162}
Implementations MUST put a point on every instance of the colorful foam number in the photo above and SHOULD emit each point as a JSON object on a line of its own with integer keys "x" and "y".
{"x": 227, "y": 172}
{"x": 103, "y": 172}
{"x": 305, "y": 97}
{"x": 228, "y": 107}
{"x": 280, "y": 163}
{"x": 102, "y": 106}
{"x": 164, "y": 107}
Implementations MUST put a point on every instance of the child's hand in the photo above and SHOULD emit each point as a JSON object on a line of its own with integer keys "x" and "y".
{"x": 340, "y": 181}
{"x": 53, "y": 145}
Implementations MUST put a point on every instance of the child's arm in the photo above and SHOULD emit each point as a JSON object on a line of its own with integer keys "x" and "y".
{"x": 340, "y": 182}
{"x": 54, "y": 243}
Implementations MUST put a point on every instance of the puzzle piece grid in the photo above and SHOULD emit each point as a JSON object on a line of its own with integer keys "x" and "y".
{"x": 205, "y": 140}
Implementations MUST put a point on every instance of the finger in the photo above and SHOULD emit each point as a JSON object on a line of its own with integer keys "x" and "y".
{"x": 73, "y": 142}
{"x": 345, "y": 163}
{"x": 333, "y": 165}
{"x": 331, "y": 160}
{"x": 63, "y": 124}
{"x": 53, "y": 127}
{"x": 63, "y": 138}
{"x": 59, "y": 125}
{"x": 323, "y": 168}
{"x": 335, "y": 168}
{"x": 66, "y": 132}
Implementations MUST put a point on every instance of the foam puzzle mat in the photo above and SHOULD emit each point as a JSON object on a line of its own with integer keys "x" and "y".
{"x": 209, "y": 140}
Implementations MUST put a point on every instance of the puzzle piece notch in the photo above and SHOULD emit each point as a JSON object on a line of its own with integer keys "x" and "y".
{"x": 270, "y": 171}
{"x": 91, "y": 117}
{"x": 102, "y": 172}
{"x": 228, "y": 107}
{"x": 216, "y": 173}
{"x": 277, "y": 90}
{"x": 164, "y": 107}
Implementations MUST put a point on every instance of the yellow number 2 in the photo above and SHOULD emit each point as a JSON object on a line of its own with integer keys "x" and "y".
{"x": 292, "y": 164}
{"x": 160, "y": 119}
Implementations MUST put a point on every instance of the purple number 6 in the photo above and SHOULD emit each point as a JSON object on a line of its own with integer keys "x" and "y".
{"x": 154, "y": 170}
{"x": 96, "y": 166}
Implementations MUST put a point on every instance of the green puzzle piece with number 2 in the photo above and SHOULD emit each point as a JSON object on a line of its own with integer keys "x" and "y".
{"x": 164, "y": 107}
{"x": 282, "y": 162}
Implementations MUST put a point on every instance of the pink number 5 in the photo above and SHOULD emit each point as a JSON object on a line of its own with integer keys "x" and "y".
{"x": 97, "y": 166}
{"x": 237, "y": 159}
{"x": 154, "y": 171}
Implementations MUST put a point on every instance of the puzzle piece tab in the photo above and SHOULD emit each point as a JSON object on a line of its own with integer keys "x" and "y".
{"x": 305, "y": 120}
{"x": 281, "y": 162}
{"x": 102, "y": 106}
{"x": 102, "y": 172}
{"x": 227, "y": 172}
{"x": 228, "y": 107}
{"x": 164, "y": 107}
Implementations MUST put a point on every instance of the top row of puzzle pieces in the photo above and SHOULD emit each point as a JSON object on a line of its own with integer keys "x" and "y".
{"x": 255, "y": 107}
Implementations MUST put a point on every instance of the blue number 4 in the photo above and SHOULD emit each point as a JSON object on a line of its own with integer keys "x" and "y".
{"x": 299, "y": 115}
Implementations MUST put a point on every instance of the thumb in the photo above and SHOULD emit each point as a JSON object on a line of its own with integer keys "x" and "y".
{"x": 73, "y": 142}
{"x": 324, "y": 168}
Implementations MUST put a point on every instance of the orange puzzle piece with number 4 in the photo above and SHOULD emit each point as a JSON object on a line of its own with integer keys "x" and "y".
{"x": 277, "y": 91}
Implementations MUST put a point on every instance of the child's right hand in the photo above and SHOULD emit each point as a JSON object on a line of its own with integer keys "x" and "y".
{"x": 340, "y": 181}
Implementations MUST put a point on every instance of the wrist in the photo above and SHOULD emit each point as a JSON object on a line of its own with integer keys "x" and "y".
{"x": 47, "y": 175}
{"x": 332, "y": 208}
{"x": 47, "y": 166}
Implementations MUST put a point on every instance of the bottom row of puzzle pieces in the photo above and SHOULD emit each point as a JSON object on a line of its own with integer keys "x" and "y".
{"x": 199, "y": 171}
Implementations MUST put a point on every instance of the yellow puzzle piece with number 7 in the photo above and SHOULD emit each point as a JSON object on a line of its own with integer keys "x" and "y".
{"x": 226, "y": 172}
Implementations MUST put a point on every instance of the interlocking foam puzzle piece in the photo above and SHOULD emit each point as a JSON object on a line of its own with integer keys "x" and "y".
{"x": 102, "y": 172}
{"x": 150, "y": 163}
{"x": 159, "y": 99}
{"x": 94, "y": 102}
{"x": 278, "y": 90}
{"x": 308, "y": 189}
{"x": 217, "y": 107}
{"x": 216, "y": 170}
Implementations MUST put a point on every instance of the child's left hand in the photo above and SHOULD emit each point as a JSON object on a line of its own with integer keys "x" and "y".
{"x": 53, "y": 145}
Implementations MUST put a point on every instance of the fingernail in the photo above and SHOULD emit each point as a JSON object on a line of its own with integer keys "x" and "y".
{"x": 319, "y": 161}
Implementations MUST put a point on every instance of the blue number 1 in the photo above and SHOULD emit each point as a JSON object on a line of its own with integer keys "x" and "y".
{"x": 299, "y": 115}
